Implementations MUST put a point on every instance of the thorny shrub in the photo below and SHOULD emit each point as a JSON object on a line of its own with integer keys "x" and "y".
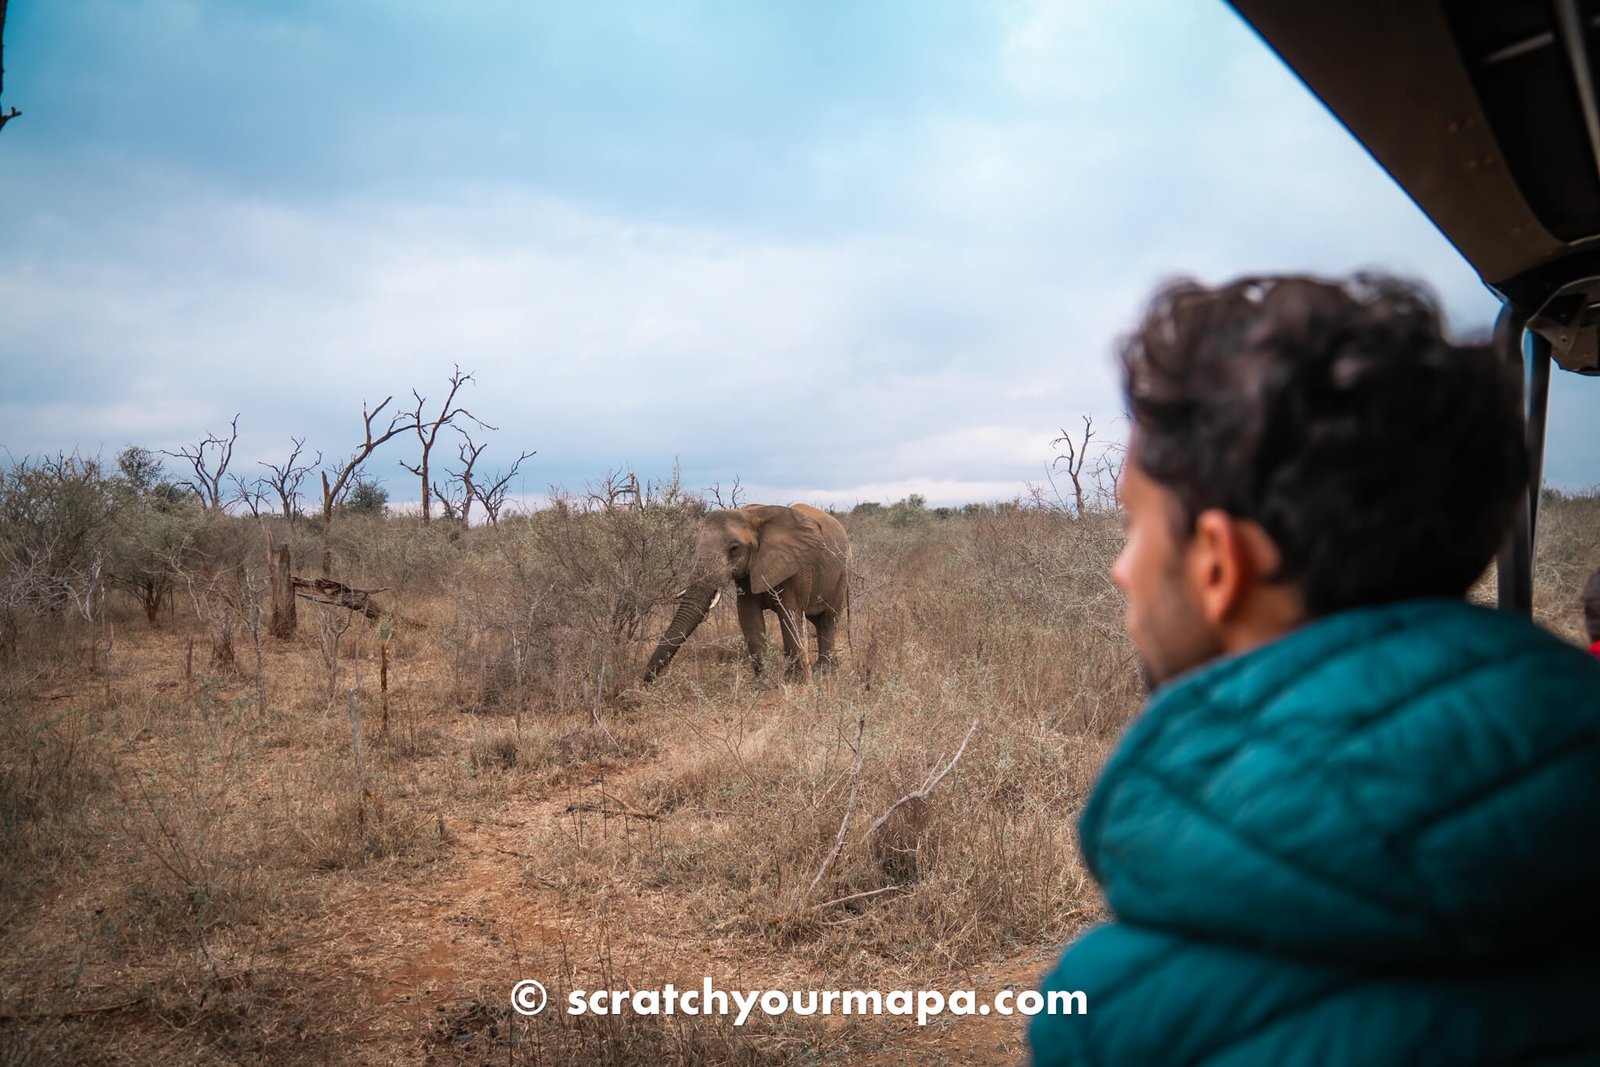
{"x": 552, "y": 607}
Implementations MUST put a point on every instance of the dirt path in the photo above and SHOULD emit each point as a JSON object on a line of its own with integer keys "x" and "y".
{"x": 434, "y": 953}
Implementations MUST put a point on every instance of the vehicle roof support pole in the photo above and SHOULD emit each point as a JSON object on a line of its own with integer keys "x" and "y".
{"x": 1538, "y": 392}
{"x": 1514, "y": 567}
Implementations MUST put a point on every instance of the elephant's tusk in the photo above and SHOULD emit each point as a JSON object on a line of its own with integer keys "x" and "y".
{"x": 716, "y": 598}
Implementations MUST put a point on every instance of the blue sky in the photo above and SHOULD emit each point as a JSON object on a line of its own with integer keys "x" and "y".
{"x": 841, "y": 251}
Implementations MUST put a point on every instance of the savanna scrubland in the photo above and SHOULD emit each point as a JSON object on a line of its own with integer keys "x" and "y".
{"x": 218, "y": 846}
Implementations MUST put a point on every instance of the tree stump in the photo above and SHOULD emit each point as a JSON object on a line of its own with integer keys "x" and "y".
{"x": 283, "y": 612}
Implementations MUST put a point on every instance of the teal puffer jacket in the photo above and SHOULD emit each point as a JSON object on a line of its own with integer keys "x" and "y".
{"x": 1373, "y": 841}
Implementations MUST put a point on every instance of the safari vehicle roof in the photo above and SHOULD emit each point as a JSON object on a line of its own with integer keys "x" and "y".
{"x": 1487, "y": 112}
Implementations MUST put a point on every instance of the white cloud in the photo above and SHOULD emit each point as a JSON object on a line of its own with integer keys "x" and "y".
{"x": 634, "y": 338}
{"x": 937, "y": 492}
{"x": 940, "y": 303}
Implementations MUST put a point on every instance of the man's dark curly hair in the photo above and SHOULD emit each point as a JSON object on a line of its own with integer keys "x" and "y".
{"x": 1383, "y": 460}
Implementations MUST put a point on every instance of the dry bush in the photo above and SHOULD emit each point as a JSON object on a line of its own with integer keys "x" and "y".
{"x": 552, "y": 607}
{"x": 551, "y": 745}
{"x": 57, "y": 519}
{"x": 339, "y": 828}
{"x": 45, "y": 650}
{"x": 50, "y": 771}
{"x": 1568, "y": 553}
{"x": 397, "y": 553}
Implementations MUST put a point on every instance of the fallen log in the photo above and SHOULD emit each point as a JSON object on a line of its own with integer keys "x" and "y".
{"x": 328, "y": 591}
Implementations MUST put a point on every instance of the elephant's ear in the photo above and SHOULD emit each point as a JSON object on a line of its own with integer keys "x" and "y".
{"x": 786, "y": 541}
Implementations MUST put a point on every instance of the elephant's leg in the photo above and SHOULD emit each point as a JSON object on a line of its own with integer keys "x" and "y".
{"x": 791, "y": 615}
{"x": 827, "y": 624}
{"x": 754, "y": 624}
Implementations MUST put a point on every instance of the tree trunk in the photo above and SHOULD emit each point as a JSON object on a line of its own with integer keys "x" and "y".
{"x": 692, "y": 608}
{"x": 283, "y": 613}
{"x": 427, "y": 500}
{"x": 327, "y": 527}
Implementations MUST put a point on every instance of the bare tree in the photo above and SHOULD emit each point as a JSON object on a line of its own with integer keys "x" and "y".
{"x": 285, "y": 481}
{"x": 454, "y": 500}
{"x": 209, "y": 460}
{"x": 334, "y": 489}
{"x": 5, "y": 116}
{"x": 735, "y": 494}
{"x": 617, "y": 489}
{"x": 1070, "y": 457}
{"x": 1094, "y": 485}
{"x": 455, "y": 496}
{"x": 252, "y": 494}
{"x": 428, "y": 433}
{"x": 462, "y": 488}
{"x": 493, "y": 494}
{"x": 1108, "y": 473}
{"x": 280, "y": 577}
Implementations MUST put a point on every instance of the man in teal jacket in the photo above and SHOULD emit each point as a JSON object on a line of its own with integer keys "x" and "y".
{"x": 1359, "y": 821}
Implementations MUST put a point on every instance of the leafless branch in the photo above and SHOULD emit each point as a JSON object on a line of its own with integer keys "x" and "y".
{"x": 285, "y": 481}
{"x": 251, "y": 494}
{"x": 493, "y": 495}
{"x": 928, "y": 785}
{"x": 1071, "y": 458}
{"x": 849, "y": 806}
{"x": 334, "y": 489}
{"x": 735, "y": 494}
{"x": 458, "y": 504}
{"x": 428, "y": 432}
{"x": 209, "y": 459}
{"x": 856, "y": 896}
{"x": 5, "y": 116}
{"x": 617, "y": 488}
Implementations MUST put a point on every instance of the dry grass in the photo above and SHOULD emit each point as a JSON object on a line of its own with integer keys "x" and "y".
{"x": 208, "y": 865}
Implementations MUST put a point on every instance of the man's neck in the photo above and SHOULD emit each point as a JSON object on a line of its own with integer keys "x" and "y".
{"x": 1270, "y": 612}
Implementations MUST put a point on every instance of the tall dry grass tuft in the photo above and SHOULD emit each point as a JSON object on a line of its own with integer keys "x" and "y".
{"x": 551, "y": 608}
{"x": 1566, "y": 557}
{"x": 51, "y": 770}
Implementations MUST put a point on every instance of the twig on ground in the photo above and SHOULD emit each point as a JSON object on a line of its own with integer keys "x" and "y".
{"x": 855, "y": 896}
{"x": 17, "y": 1016}
{"x": 849, "y": 807}
{"x": 622, "y": 807}
{"x": 508, "y": 852}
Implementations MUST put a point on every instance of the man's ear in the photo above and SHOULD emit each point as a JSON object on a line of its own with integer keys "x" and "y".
{"x": 1227, "y": 559}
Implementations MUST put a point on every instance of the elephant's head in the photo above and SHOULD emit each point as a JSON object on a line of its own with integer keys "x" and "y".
{"x": 758, "y": 547}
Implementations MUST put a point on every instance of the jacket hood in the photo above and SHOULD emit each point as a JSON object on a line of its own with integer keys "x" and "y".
{"x": 1416, "y": 785}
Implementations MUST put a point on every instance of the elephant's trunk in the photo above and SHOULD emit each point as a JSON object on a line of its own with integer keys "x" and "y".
{"x": 693, "y": 605}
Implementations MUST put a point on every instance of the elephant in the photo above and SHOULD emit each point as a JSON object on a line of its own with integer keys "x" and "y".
{"x": 793, "y": 561}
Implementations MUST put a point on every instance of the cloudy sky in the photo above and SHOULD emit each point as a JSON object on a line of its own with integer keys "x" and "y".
{"x": 840, "y": 251}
